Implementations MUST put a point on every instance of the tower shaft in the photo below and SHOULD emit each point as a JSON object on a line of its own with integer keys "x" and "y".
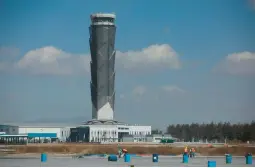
{"x": 102, "y": 47}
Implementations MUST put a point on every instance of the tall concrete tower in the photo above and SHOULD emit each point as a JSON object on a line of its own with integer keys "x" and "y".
{"x": 102, "y": 39}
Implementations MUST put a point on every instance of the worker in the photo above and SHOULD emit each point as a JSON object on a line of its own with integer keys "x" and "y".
{"x": 124, "y": 151}
{"x": 186, "y": 150}
{"x": 190, "y": 153}
{"x": 119, "y": 151}
{"x": 193, "y": 152}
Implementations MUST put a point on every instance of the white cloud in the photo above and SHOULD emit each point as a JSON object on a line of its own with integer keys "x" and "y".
{"x": 50, "y": 60}
{"x": 172, "y": 88}
{"x": 139, "y": 91}
{"x": 122, "y": 96}
{"x": 144, "y": 93}
{"x": 243, "y": 56}
{"x": 152, "y": 56}
{"x": 54, "y": 61}
{"x": 242, "y": 63}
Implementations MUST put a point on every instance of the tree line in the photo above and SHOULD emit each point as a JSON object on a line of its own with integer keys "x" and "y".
{"x": 219, "y": 132}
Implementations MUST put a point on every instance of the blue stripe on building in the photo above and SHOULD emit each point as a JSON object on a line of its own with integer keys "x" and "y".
{"x": 42, "y": 135}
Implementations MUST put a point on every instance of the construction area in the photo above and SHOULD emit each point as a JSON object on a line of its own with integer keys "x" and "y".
{"x": 143, "y": 149}
{"x": 141, "y": 155}
{"x": 145, "y": 161}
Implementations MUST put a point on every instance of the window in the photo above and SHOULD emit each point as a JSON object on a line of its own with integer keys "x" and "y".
{"x": 103, "y": 20}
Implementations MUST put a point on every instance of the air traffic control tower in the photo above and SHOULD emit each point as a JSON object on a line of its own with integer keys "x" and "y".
{"x": 102, "y": 39}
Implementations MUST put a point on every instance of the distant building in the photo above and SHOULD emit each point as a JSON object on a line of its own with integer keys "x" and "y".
{"x": 9, "y": 129}
{"x": 59, "y": 133}
{"x": 9, "y": 135}
{"x": 107, "y": 132}
{"x": 159, "y": 137}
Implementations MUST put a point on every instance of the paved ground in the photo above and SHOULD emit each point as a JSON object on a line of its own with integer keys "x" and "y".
{"x": 137, "y": 162}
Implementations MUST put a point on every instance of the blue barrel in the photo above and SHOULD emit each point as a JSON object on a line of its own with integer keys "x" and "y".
{"x": 228, "y": 159}
{"x": 211, "y": 163}
{"x": 43, "y": 157}
{"x": 112, "y": 158}
{"x": 154, "y": 157}
{"x": 127, "y": 158}
{"x": 185, "y": 158}
{"x": 249, "y": 159}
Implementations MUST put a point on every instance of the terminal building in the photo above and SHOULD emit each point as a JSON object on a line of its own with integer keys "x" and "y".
{"x": 109, "y": 131}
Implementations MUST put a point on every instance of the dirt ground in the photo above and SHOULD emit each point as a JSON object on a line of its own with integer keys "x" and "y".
{"x": 135, "y": 148}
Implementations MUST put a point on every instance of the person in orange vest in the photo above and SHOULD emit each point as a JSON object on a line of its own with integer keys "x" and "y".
{"x": 124, "y": 151}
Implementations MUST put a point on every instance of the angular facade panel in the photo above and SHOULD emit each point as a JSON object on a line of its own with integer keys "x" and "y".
{"x": 102, "y": 40}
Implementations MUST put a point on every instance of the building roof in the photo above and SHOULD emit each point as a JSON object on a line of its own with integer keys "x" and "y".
{"x": 6, "y": 135}
{"x": 103, "y": 122}
{"x": 45, "y": 125}
{"x": 103, "y": 15}
{"x": 7, "y": 125}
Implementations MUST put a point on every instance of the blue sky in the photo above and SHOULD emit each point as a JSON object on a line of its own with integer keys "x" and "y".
{"x": 196, "y": 60}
